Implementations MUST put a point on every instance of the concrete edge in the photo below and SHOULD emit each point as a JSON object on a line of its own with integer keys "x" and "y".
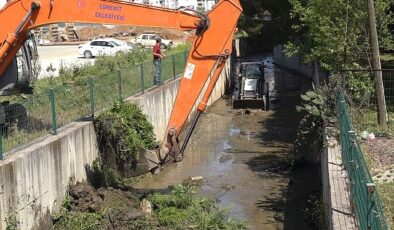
{"x": 336, "y": 191}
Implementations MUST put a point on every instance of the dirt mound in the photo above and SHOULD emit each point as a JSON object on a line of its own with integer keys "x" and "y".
{"x": 103, "y": 208}
{"x": 382, "y": 153}
{"x": 85, "y": 198}
{"x": 98, "y": 31}
{"x": 164, "y": 33}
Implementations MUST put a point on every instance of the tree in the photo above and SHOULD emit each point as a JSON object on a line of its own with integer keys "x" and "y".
{"x": 266, "y": 21}
{"x": 335, "y": 32}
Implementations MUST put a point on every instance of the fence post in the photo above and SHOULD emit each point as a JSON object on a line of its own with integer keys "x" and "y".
{"x": 173, "y": 65}
{"x": 120, "y": 86}
{"x": 185, "y": 56}
{"x": 91, "y": 96}
{"x": 1, "y": 143}
{"x": 53, "y": 110}
{"x": 142, "y": 78}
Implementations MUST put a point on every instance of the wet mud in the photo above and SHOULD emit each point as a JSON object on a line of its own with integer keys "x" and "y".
{"x": 245, "y": 158}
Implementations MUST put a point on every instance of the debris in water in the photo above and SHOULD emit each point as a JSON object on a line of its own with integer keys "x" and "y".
{"x": 234, "y": 131}
{"x": 193, "y": 181}
{"x": 226, "y": 146}
{"x": 197, "y": 178}
{"x": 225, "y": 157}
{"x": 227, "y": 187}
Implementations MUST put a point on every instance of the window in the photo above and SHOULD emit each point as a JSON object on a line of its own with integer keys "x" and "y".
{"x": 115, "y": 43}
{"x": 107, "y": 44}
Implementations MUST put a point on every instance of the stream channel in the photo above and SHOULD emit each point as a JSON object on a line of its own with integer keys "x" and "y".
{"x": 245, "y": 158}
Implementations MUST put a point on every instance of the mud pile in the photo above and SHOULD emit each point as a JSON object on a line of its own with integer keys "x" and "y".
{"x": 104, "y": 208}
{"x": 107, "y": 208}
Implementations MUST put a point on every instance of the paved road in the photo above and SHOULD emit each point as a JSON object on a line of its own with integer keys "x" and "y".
{"x": 57, "y": 55}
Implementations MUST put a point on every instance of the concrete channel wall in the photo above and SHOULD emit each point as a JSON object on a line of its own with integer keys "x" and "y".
{"x": 297, "y": 64}
{"x": 294, "y": 62}
{"x": 34, "y": 177}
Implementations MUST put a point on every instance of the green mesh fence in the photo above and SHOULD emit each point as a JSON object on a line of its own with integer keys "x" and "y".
{"x": 26, "y": 119}
{"x": 365, "y": 199}
{"x": 364, "y": 109}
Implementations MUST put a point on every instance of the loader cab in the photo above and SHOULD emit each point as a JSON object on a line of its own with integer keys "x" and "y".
{"x": 251, "y": 80}
{"x": 251, "y": 88}
{"x": 22, "y": 71}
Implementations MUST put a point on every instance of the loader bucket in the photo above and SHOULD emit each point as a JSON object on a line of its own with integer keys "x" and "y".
{"x": 249, "y": 104}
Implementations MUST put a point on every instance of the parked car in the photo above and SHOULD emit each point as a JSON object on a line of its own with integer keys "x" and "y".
{"x": 124, "y": 46}
{"x": 104, "y": 46}
{"x": 149, "y": 40}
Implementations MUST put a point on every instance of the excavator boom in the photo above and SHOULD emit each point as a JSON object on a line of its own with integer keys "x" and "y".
{"x": 210, "y": 49}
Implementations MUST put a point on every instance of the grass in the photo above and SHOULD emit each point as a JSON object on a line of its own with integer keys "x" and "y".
{"x": 366, "y": 120}
{"x": 387, "y": 197}
{"x": 385, "y": 190}
{"x": 120, "y": 209}
{"x": 387, "y": 61}
{"x": 387, "y": 57}
{"x": 113, "y": 78}
{"x": 182, "y": 209}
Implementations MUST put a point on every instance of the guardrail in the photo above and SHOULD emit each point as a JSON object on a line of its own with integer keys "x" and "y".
{"x": 365, "y": 199}
{"x": 36, "y": 115}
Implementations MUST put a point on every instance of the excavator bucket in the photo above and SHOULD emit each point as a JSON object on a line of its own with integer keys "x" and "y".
{"x": 148, "y": 161}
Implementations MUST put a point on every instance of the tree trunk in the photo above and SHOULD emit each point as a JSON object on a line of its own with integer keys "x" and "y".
{"x": 376, "y": 66}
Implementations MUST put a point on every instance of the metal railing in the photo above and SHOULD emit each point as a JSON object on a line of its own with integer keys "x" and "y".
{"x": 365, "y": 199}
{"x": 26, "y": 119}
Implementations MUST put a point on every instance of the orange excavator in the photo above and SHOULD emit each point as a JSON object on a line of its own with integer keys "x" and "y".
{"x": 210, "y": 49}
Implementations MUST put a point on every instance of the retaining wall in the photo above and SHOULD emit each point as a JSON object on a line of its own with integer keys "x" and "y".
{"x": 34, "y": 177}
{"x": 296, "y": 63}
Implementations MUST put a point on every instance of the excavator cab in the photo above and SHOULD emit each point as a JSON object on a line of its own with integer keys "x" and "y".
{"x": 22, "y": 72}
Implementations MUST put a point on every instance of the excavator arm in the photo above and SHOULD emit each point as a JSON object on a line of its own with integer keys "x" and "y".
{"x": 210, "y": 49}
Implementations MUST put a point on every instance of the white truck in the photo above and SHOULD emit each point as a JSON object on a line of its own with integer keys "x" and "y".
{"x": 149, "y": 40}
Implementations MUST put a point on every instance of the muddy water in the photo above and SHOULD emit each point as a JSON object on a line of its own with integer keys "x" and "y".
{"x": 244, "y": 157}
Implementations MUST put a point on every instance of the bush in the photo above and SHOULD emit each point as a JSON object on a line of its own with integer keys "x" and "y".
{"x": 122, "y": 131}
{"x": 182, "y": 209}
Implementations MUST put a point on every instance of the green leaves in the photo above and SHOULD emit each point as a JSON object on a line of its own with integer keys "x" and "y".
{"x": 305, "y": 97}
{"x": 327, "y": 28}
{"x": 123, "y": 131}
{"x": 311, "y": 94}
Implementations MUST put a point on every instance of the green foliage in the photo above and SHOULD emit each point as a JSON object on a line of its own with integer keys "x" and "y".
{"x": 103, "y": 175}
{"x": 77, "y": 74}
{"x": 319, "y": 108}
{"x": 178, "y": 49}
{"x": 359, "y": 84}
{"x": 80, "y": 220}
{"x": 324, "y": 31}
{"x": 123, "y": 131}
{"x": 182, "y": 209}
{"x": 128, "y": 126}
{"x": 316, "y": 212}
{"x": 386, "y": 194}
{"x": 266, "y": 21}
{"x": 11, "y": 221}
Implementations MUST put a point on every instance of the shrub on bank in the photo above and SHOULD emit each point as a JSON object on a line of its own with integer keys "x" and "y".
{"x": 122, "y": 132}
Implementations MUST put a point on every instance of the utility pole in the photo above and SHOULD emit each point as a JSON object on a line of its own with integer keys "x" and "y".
{"x": 376, "y": 66}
